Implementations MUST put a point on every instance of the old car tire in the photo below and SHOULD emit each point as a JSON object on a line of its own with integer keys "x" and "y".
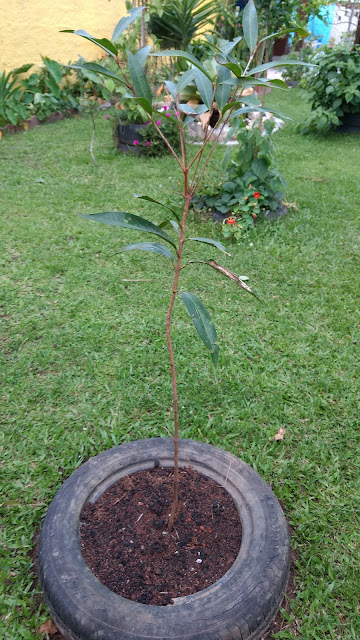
{"x": 239, "y": 606}
{"x": 125, "y": 134}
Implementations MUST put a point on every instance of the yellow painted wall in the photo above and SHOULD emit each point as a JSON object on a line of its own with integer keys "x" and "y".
{"x": 30, "y": 29}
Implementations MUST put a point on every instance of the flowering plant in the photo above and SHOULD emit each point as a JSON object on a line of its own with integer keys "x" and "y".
{"x": 151, "y": 144}
{"x": 244, "y": 213}
{"x": 224, "y": 84}
{"x": 252, "y": 187}
{"x": 233, "y": 228}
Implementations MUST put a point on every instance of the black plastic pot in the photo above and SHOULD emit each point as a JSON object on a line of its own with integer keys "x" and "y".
{"x": 125, "y": 136}
{"x": 239, "y": 606}
{"x": 350, "y": 123}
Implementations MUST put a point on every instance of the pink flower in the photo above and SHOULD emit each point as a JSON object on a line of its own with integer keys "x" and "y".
{"x": 168, "y": 115}
{"x": 159, "y": 123}
{"x": 165, "y": 108}
{"x": 147, "y": 122}
{"x": 107, "y": 116}
{"x": 147, "y": 143}
{"x": 177, "y": 114}
{"x": 136, "y": 142}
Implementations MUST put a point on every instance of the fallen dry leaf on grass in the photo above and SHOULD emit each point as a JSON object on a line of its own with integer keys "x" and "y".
{"x": 48, "y": 628}
{"x": 280, "y": 434}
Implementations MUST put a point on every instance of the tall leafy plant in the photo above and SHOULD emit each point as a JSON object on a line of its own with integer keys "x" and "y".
{"x": 333, "y": 87}
{"x": 12, "y": 108}
{"x": 225, "y": 84}
{"x": 179, "y": 21}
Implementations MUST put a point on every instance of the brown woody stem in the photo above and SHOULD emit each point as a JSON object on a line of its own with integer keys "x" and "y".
{"x": 187, "y": 196}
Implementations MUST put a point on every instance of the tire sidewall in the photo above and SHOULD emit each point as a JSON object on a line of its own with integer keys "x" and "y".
{"x": 240, "y": 605}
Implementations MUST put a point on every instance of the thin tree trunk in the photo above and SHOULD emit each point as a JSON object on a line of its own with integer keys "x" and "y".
{"x": 143, "y": 29}
{"x": 92, "y": 140}
{"x": 357, "y": 33}
{"x": 171, "y": 355}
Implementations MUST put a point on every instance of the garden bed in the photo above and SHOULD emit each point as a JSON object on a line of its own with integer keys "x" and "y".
{"x": 35, "y": 122}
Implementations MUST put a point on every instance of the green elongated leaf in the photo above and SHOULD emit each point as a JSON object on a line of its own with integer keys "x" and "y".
{"x": 54, "y": 68}
{"x": 249, "y": 81}
{"x": 142, "y": 54}
{"x": 145, "y": 104}
{"x": 172, "y": 89}
{"x": 170, "y": 223}
{"x": 129, "y": 221}
{"x": 186, "y": 79}
{"x": 53, "y": 86}
{"x": 279, "y": 63}
{"x": 125, "y": 22}
{"x": 175, "y": 226}
{"x": 190, "y": 111}
{"x": 177, "y": 53}
{"x": 215, "y": 243}
{"x": 202, "y": 323}
{"x": 233, "y": 66}
{"x": 202, "y": 108}
{"x": 228, "y": 45}
{"x": 243, "y": 110}
{"x": 204, "y": 87}
{"x": 280, "y": 34}
{"x": 231, "y": 105}
{"x": 250, "y": 101}
{"x": 97, "y": 68}
{"x": 138, "y": 77}
{"x": 103, "y": 43}
{"x": 250, "y": 25}
{"x": 223, "y": 91}
{"x": 141, "y": 197}
{"x": 23, "y": 69}
{"x": 153, "y": 247}
{"x": 11, "y": 116}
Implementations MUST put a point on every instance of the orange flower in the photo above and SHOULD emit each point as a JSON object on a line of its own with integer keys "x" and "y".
{"x": 230, "y": 221}
{"x": 257, "y": 194}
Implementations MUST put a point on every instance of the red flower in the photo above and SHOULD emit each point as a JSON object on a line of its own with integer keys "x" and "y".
{"x": 257, "y": 194}
{"x": 230, "y": 221}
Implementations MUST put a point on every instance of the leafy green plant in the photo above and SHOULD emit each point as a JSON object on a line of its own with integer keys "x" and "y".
{"x": 333, "y": 87}
{"x": 252, "y": 186}
{"x": 12, "y": 108}
{"x": 227, "y": 20}
{"x": 44, "y": 93}
{"x": 179, "y": 21}
{"x": 226, "y": 85}
{"x": 151, "y": 144}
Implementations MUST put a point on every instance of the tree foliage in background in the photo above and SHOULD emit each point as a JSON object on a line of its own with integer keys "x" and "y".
{"x": 179, "y": 21}
{"x": 333, "y": 87}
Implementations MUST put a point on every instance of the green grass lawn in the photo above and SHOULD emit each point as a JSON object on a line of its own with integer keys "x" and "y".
{"x": 84, "y": 361}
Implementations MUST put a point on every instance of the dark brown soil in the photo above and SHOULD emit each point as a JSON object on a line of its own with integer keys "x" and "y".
{"x": 126, "y": 544}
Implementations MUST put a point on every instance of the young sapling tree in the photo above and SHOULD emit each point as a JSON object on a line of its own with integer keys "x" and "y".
{"x": 223, "y": 87}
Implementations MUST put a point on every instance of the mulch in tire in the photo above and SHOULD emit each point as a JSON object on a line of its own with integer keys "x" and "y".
{"x": 125, "y": 542}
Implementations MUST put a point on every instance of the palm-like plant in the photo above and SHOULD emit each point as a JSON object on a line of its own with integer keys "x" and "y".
{"x": 11, "y": 109}
{"x": 181, "y": 20}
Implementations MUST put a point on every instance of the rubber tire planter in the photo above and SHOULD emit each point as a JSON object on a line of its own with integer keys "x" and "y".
{"x": 239, "y": 606}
